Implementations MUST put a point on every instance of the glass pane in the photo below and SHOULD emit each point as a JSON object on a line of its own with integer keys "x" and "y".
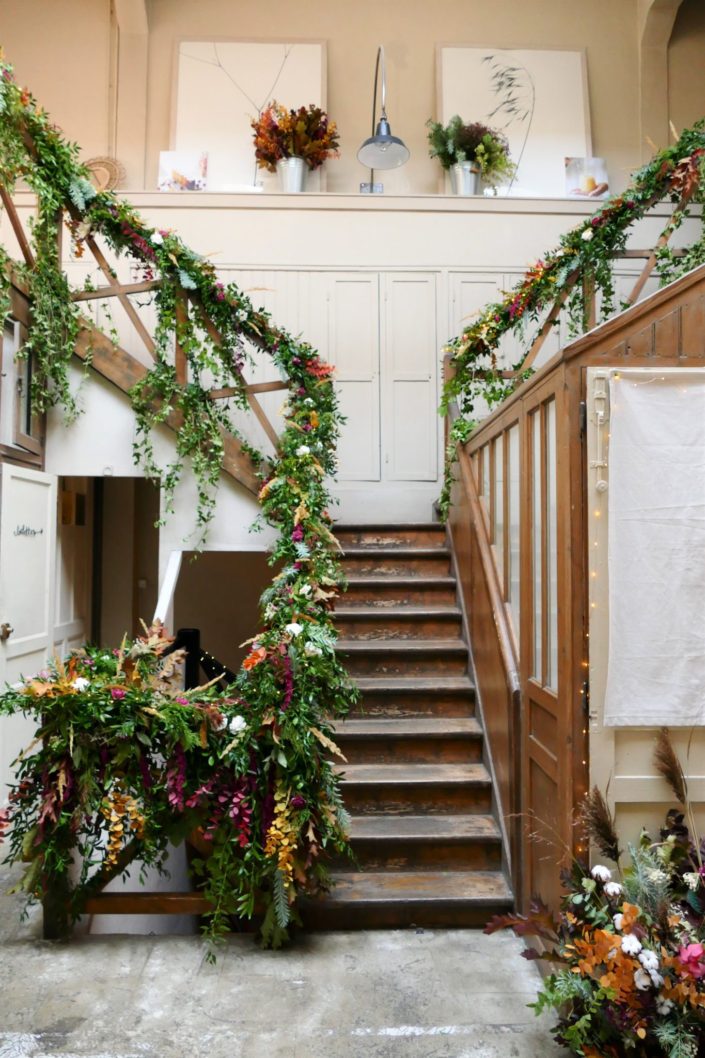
{"x": 498, "y": 526}
{"x": 551, "y": 548}
{"x": 537, "y": 522}
{"x": 512, "y": 521}
{"x": 486, "y": 475}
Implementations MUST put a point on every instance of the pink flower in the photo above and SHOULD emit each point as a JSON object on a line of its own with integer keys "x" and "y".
{"x": 181, "y": 701}
{"x": 691, "y": 960}
{"x": 117, "y": 693}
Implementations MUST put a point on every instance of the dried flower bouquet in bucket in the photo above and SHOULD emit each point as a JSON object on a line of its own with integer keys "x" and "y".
{"x": 628, "y": 947}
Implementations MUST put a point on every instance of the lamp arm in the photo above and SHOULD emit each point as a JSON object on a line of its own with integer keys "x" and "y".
{"x": 380, "y": 58}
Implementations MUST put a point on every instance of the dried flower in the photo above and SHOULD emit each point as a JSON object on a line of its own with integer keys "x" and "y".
{"x": 600, "y": 873}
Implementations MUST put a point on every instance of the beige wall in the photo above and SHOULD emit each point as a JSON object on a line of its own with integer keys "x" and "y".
{"x": 68, "y": 64}
{"x": 409, "y": 30}
{"x": 219, "y": 592}
{"x": 686, "y": 65}
{"x": 61, "y": 50}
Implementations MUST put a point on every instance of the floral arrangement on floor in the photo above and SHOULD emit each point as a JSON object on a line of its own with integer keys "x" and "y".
{"x": 457, "y": 142}
{"x": 630, "y": 948}
{"x": 304, "y": 133}
{"x": 124, "y": 762}
{"x": 586, "y": 251}
{"x": 292, "y": 679}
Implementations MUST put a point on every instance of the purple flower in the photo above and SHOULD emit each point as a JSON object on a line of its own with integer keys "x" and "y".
{"x": 298, "y": 801}
{"x": 117, "y": 693}
{"x": 297, "y": 535}
{"x": 181, "y": 701}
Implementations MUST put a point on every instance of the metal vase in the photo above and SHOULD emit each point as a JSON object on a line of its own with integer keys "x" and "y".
{"x": 465, "y": 179}
{"x": 292, "y": 173}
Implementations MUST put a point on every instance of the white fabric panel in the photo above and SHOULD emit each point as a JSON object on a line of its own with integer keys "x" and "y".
{"x": 656, "y": 550}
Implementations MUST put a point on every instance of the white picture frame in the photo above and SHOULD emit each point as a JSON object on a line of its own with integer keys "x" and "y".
{"x": 220, "y": 84}
{"x": 541, "y": 105}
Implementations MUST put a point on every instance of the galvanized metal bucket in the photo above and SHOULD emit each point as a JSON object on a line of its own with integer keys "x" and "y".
{"x": 465, "y": 179}
{"x": 292, "y": 173}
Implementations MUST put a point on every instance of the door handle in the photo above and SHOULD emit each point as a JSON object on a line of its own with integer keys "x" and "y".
{"x": 6, "y": 631}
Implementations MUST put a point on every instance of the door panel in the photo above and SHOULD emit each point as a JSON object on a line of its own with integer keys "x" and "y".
{"x": 409, "y": 357}
{"x": 27, "y": 562}
{"x": 353, "y": 347}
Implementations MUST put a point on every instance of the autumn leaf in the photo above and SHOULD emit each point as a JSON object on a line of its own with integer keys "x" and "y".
{"x": 328, "y": 743}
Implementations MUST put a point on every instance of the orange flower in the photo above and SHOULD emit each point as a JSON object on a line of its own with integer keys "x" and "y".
{"x": 254, "y": 658}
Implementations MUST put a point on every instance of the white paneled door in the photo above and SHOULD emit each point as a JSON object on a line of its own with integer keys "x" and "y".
{"x": 27, "y": 579}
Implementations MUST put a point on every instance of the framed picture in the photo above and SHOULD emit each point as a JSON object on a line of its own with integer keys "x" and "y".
{"x": 586, "y": 178}
{"x": 536, "y": 97}
{"x": 221, "y": 85}
{"x": 183, "y": 171}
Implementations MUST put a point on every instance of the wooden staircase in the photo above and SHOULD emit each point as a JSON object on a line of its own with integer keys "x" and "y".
{"x": 427, "y": 845}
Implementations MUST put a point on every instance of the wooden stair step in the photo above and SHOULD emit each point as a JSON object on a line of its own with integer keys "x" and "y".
{"x": 409, "y": 727}
{"x": 397, "y": 696}
{"x": 404, "y": 656}
{"x": 422, "y": 534}
{"x": 396, "y": 561}
{"x": 398, "y": 622}
{"x": 449, "y": 828}
{"x": 424, "y": 739}
{"x": 401, "y": 591}
{"x": 427, "y": 842}
{"x": 413, "y": 774}
{"x": 389, "y": 899}
{"x": 413, "y": 788}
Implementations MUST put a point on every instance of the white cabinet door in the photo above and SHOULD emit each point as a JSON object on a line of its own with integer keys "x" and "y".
{"x": 410, "y": 357}
{"x": 27, "y": 559}
{"x": 353, "y": 347}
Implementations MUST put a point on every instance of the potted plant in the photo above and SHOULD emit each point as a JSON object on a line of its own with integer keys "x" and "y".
{"x": 470, "y": 153}
{"x": 290, "y": 141}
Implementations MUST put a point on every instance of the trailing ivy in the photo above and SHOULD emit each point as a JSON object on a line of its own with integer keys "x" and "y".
{"x": 586, "y": 251}
{"x": 269, "y": 798}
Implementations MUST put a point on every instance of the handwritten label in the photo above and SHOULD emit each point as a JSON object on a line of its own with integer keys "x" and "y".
{"x": 27, "y": 530}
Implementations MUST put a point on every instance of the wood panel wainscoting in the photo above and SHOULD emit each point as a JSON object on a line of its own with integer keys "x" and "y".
{"x": 518, "y": 527}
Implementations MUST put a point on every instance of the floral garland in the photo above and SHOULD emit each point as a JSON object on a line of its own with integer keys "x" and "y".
{"x": 124, "y": 763}
{"x": 292, "y": 682}
{"x": 627, "y": 952}
{"x": 586, "y": 250}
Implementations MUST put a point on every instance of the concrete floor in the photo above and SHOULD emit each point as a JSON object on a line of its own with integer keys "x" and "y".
{"x": 425, "y": 994}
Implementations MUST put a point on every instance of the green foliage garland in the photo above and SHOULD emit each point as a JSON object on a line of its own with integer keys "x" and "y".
{"x": 587, "y": 250}
{"x": 122, "y": 749}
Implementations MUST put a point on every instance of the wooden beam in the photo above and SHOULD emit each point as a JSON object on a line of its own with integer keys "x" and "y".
{"x": 180, "y": 361}
{"x": 548, "y": 322}
{"x": 124, "y": 371}
{"x": 653, "y": 256}
{"x": 123, "y": 299}
{"x": 116, "y": 289}
{"x": 255, "y": 406}
{"x": 141, "y": 903}
{"x": 255, "y": 387}
{"x": 17, "y": 227}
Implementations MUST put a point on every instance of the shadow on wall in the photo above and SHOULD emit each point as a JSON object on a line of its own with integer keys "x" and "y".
{"x": 219, "y": 592}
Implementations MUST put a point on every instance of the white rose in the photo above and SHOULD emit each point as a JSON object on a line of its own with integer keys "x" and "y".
{"x": 156, "y": 239}
{"x": 312, "y": 651}
{"x": 613, "y": 889}
{"x": 600, "y": 873}
{"x": 237, "y": 725}
{"x": 80, "y": 683}
{"x": 631, "y": 945}
{"x": 294, "y": 629}
{"x": 587, "y": 235}
{"x": 303, "y": 450}
{"x": 642, "y": 980}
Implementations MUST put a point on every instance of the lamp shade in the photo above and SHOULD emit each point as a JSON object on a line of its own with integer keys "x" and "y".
{"x": 383, "y": 151}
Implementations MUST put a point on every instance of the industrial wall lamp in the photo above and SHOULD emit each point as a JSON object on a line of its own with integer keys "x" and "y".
{"x": 381, "y": 150}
